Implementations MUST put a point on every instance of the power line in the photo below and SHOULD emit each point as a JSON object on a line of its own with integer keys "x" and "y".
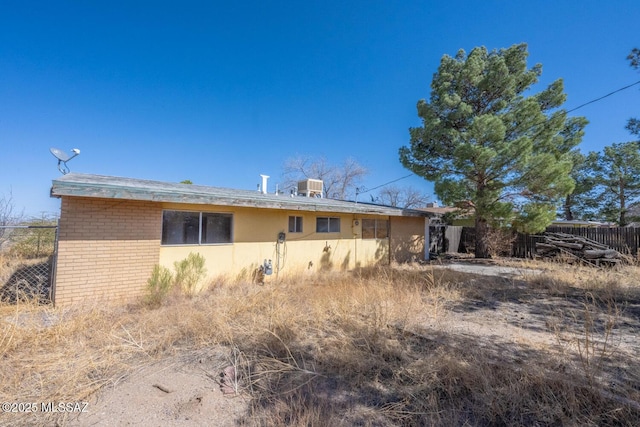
{"x": 603, "y": 97}
{"x": 366, "y": 190}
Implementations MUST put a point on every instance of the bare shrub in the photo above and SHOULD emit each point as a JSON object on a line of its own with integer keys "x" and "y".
{"x": 189, "y": 273}
{"x": 499, "y": 241}
{"x": 158, "y": 285}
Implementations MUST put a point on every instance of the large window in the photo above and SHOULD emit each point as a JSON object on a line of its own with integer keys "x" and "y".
{"x": 327, "y": 224}
{"x": 375, "y": 228}
{"x": 295, "y": 224}
{"x": 195, "y": 228}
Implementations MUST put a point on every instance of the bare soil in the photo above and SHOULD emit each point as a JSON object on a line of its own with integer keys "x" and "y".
{"x": 179, "y": 391}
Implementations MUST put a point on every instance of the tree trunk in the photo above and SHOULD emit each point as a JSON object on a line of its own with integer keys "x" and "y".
{"x": 568, "y": 215}
{"x": 482, "y": 229}
{"x": 623, "y": 206}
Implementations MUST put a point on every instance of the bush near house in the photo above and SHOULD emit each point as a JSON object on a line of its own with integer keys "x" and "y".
{"x": 189, "y": 273}
{"x": 158, "y": 285}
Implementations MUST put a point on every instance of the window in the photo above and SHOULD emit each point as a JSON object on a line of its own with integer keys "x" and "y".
{"x": 216, "y": 228}
{"x": 375, "y": 228}
{"x": 295, "y": 224}
{"x": 327, "y": 224}
{"x": 195, "y": 228}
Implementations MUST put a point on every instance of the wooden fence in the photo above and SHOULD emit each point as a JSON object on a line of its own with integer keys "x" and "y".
{"x": 624, "y": 240}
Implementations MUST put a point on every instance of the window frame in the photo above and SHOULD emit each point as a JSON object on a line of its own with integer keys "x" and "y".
{"x": 376, "y": 228}
{"x": 297, "y": 220}
{"x": 330, "y": 220}
{"x": 201, "y": 230}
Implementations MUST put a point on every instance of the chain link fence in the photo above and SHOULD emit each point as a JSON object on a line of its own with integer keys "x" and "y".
{"x": 27, "y": 263}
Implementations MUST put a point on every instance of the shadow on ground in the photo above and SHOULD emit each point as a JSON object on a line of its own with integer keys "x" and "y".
{"x": 381, "y": 375}
{"x": 29, "y": 281}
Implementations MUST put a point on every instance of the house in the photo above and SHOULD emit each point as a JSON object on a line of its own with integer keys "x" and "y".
{"x": 112, "y": 231}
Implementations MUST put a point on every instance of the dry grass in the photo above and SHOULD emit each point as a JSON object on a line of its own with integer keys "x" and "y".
{"x": 363, "y": 348}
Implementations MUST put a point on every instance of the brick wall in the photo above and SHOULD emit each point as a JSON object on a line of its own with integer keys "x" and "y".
{"x": 106, "y": 249}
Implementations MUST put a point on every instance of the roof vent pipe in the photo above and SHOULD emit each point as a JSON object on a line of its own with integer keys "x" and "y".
{"x": 264, "y": 183}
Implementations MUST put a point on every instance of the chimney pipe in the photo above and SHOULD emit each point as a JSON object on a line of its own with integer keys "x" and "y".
{"x": 264, "y": 183}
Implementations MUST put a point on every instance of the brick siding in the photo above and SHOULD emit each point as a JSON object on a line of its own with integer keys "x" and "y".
{"x": 106, "y": 249}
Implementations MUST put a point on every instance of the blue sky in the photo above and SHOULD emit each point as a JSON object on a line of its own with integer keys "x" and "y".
{"x": 221, "y": 92}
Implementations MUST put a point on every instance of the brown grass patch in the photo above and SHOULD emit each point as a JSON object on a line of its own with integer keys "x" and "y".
{"x": 371, "y": 347}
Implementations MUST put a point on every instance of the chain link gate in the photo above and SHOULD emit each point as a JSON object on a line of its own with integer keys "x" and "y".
{"x": 27, "y": 257}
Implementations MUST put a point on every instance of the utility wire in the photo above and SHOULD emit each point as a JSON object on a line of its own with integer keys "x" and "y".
{"x": 603, "y": 97}
{"x": 366, "y": 190}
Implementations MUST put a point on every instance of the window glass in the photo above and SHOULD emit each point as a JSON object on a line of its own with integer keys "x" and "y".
{"x": 368, "y": 228}
{"x": 193, "y": 228}
{"x": 382, "y": 229}
{"x": 180, "y": 228}
{"x": 327, "y": 225}
{"x": 216, "y": 228}
{"x": 295, "y": 224}
{"x": 375, "y": 228}
{"x": 322, "y": 225}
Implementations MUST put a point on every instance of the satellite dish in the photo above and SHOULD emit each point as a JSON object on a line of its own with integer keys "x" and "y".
{"x": 63, "y": 158}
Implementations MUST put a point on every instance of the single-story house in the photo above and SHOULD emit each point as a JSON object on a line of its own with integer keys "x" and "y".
{"x": 113, "y": 230}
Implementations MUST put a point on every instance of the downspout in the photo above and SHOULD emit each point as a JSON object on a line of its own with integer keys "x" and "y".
{"x": 389, "y": 239}
{"x": 427, "y": 239}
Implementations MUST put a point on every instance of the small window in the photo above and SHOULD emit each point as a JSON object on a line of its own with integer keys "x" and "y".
{"x": 327, "y": 225}
{"x": 295, "y": 224}
{"x": 195, "y": 228}
{"x": 375, "y": 228}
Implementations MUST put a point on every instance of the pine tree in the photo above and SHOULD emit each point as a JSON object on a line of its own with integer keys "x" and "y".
{"x": 484, "y": 142}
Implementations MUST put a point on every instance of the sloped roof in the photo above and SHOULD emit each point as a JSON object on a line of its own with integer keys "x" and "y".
{"x": 111, "y": 187}
{"x": 439, "y": 210}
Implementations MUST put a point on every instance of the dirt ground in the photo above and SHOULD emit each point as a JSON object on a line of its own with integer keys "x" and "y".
{"x": 181, "y": 391}
{"x": 504, "y": 312}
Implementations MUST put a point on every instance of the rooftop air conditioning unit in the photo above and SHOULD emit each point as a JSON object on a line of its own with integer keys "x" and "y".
{"x": 310, "y": 188}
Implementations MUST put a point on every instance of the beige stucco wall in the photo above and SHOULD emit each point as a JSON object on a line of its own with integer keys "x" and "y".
{"x": 407, "y": 238}
{"x": 106, "y": 248}
{"x": 255, "y": 233}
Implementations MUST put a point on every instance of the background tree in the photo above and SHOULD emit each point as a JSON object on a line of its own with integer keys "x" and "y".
{"x": 617, "y": 172}
{"x": 340, "y": 181}
{"x": 581, "y": 203}
{"x": 34, "y": 242}
{"x": 402, "y": 197}
{"x": 483, "y": 141}
{"x": 8, "y": 216}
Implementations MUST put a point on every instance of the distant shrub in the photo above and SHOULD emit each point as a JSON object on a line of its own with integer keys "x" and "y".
{"x": 158, "y": 285}
{"x": 500, "y": 241}
{"x": 32, "y": 243}
{"x": 189, "y": 272}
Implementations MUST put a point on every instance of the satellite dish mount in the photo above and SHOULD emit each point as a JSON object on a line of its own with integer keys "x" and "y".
{"x": 63, "y": 158}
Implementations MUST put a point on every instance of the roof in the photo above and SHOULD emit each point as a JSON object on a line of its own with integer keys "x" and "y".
{"x": 111, "y": 187}
{"x": 439, "y": 210}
